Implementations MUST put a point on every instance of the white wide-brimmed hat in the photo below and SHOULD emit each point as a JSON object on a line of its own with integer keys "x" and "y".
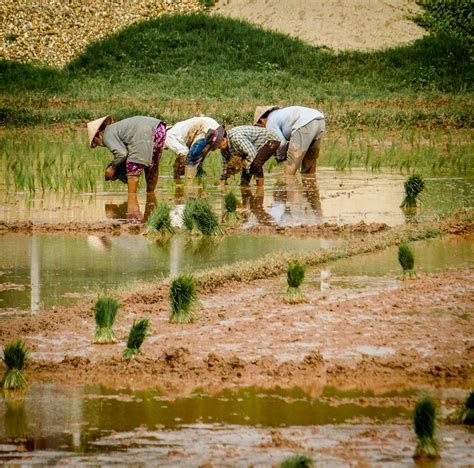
{"x": 94, "y": 126}
{"x": 261, "y": 111}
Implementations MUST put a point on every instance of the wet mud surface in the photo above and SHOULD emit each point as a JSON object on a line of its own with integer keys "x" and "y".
{"x": 386, "y": 334}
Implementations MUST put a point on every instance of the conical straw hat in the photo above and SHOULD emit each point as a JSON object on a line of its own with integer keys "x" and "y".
{"x": 94, "y": 126}
{"x": 260, "y": 111}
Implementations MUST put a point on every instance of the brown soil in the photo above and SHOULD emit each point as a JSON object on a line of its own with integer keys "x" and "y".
{"x": 387, "y": 335}
{"x": 354, "y": 25}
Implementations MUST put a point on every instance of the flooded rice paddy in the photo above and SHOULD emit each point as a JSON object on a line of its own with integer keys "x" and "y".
{"x": 334, "y": 197}
{"x": 41, "y": 271}
{"x": 52, "y": 425}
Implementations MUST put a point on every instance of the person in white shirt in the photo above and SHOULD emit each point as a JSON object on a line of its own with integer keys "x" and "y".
{"x": 187, "y": 139}
{"x": 301, "y": 128}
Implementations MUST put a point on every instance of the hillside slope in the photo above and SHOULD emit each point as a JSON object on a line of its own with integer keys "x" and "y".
{"x": 337, "y": 24}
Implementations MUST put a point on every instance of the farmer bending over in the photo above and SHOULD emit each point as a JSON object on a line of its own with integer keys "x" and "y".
{"x": 247, "y": 148}
{"x": 301, "y": 127}
{"x": 136, "y": 143}
{"x": 187, "y": 139}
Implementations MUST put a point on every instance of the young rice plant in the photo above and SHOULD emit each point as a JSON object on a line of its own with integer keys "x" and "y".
{"x": 231, "y": 216}
{"x": 135, "y": 338}
{"x": 183, "y": 297}
{"x": 105, "y": 311}
{"x": 198, "y": 217}
{"x": 14, "y": 356}
{"x": 160, "y": 220}
{"x": 465, "y": 414}
{"x": 414, "y": 185}
{"x": 297, "y": 461}
{"x": 295, "y": 277}
{"x": 424, "y": 423}
{"x": 406, "y": 259}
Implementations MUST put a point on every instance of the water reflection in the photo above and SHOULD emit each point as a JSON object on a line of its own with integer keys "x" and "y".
{"x": 43, "y": 271}
{"x": 129, "y": 210}
{"x": 51, "y": 418}
{"x": 334, "y": 197}
{"x": 16, "y": 418}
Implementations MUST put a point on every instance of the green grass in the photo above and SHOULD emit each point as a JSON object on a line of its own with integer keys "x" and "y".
{"x": 407, "y": 108}
{"x": 176, "y": 66}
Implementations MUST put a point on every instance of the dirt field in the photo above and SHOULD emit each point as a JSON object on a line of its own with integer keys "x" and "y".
{"x": 339, "y": 25}
{"x": 389, "y": 334}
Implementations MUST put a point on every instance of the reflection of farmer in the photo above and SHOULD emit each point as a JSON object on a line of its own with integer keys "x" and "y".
{"x": 301, "y": 127}
{"x": 187, "y": 139}
{"x": 136, "y": 143}
{"x": 255, "y": 203}
{"x": 130, "y": 210}
{"x": 247, "y": 148}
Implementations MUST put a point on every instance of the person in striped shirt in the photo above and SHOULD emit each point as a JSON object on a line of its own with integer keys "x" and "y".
{"x": 246, "y": 148}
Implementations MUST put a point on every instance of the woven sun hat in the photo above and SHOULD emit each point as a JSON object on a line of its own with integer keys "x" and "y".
{"x": 214, "y": 137}
{"x": 94, "y": 126}
{"x": 262, "y": 111}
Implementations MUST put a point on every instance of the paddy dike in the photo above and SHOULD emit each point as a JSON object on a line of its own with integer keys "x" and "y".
{"x": 385, "y": 334}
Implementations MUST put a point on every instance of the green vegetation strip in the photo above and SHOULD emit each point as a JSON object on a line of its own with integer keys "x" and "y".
{"x": 277, "y": 264}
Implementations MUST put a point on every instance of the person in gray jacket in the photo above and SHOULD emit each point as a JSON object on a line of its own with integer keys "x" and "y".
{"x": 136, "y": 143}
{"x": 301, "y": 128}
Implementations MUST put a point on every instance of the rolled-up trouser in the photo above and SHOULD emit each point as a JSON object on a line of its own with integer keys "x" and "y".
{"x": 304, "y": 147}
{"x": 264, "y": 153}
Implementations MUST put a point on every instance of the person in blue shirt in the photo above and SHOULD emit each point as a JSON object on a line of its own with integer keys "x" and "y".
{"x": 300, "y": 128}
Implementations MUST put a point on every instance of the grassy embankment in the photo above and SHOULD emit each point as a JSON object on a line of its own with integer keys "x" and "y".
{"x": 406, "y": 107}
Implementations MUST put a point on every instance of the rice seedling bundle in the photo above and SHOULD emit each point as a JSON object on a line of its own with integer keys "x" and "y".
{"x": 183, "y": 298}
{"x": 231, "y": 217}
{"x": 414, "y": 185}
{"x": 135, "y": 338}
{"x": 295, "y": 277}
{"x": 406, "y": 259}
{"x": 105, "y": 311}
{"x": 465, "y": 414}
{"x": 160, "y": 220}
{"x": 199, "y": 217}
{"x": 424, "y": 423}
{"x": 14, "y": 356}
{"x": 297, "y": 461}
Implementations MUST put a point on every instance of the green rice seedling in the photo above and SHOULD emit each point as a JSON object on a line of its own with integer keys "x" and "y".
{"x": 231, "y": 216}
{"x": 414, "y": 185}
{"x": 14, "y": 357}
{"x": 160, "y": 220}
{"x": 135, "y": 338}
{"x": 183, "y": 297}
{"x": 295, "y": 277}
{"x": 406, "y": 259}
{"x": 424, "y": 423}
{"x": 199, "y": 217}
{"x": 465, "y": 414}
{"x": 105, "y": 311}
{"x": 297, "y": 461}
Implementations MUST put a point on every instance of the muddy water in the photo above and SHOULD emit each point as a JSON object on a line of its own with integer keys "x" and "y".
{"x": 334, "y": 197}
{"x": 245, "y": 426}
{"x": 431, "y": 256}
{"x": 40, "y": 271}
